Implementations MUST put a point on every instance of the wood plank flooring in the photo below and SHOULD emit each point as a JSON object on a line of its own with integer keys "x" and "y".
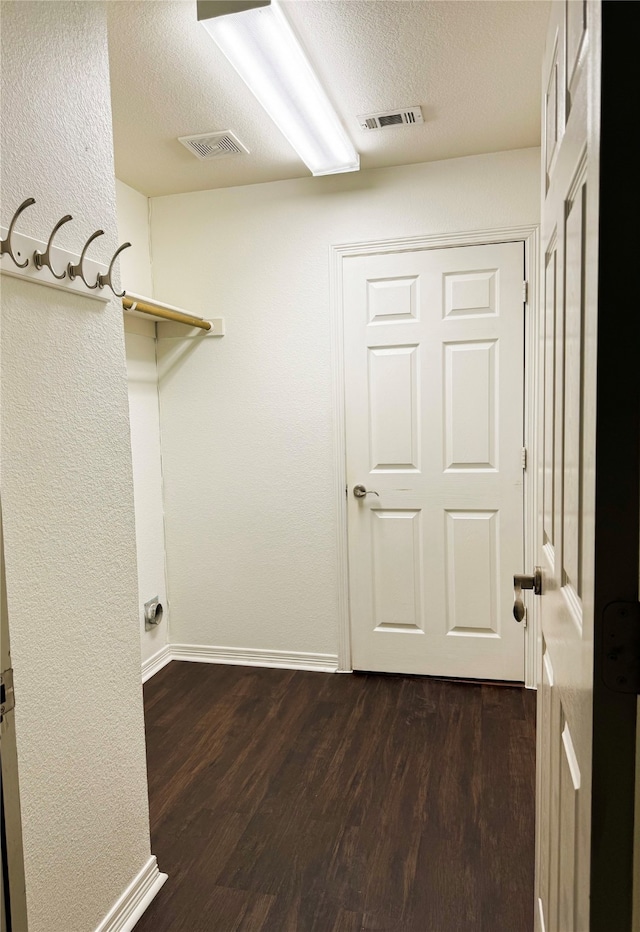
{"x": 284, "y": 801}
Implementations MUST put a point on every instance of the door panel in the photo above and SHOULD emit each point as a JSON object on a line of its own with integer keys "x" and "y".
{"x": 434, "y": 342}
{"x": 470, "y": 402}
{"x": 549, "y": 438}
{"x": 576, "y": 36}
{"x": 470, "y": 294}
{"x": 396, "y": 537}
{"x": 472, "y": 561}
{"x": 394, "y": 408}
{"x": 569, "y": 811}
{"x": 554, "y": 103}
{"x": 392, "y": 299}
{"x": 573, "y": 390}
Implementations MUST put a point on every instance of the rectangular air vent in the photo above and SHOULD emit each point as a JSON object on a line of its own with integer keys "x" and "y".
{"x": 408, "y": 116}
{"x": 213, "y": 145}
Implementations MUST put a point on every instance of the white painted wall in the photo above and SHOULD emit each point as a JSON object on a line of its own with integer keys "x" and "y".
{"x": 133, "y": 227}
{"x": 67, "y": 491}
{"x": 142, "y": 372}
{"x": 247, "y": 420}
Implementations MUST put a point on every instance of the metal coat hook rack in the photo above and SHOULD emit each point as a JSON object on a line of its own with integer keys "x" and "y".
{"x": 41, "y": 259}
{"x": 28, "y": 260}
{"x": 106, "y": 279}
{"x": 74, "y": 270}
{"x": 6, "y": 246}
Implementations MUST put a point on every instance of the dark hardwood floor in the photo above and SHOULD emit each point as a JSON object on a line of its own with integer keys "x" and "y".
{"x": 284, "y": 801}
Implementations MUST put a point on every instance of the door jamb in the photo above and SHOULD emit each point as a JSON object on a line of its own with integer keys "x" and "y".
{"x": 15, "y": 896}
{"x": 529, "y": 234}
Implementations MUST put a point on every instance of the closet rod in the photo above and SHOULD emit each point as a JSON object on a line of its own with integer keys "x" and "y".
{"x": 132, "y": 303}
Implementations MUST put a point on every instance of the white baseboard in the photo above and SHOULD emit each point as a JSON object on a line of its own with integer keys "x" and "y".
{"x": 124, "y": 914}
{"x": 248, "y": 657}
{"x": 240, "y": 656}
{"x": 157, "y": 662}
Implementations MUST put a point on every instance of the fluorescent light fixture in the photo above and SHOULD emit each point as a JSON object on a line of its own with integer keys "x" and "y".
{"x": 263, "y": 48}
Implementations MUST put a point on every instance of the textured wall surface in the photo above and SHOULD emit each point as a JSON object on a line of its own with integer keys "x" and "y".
{"x": 247, "y": 430}
{"x": 67, "y": 487}
{"x": 142, "y": 372}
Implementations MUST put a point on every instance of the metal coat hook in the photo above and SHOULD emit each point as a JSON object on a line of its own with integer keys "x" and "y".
{"x": 106, "y": 279}
{"x": 42, "y": 259}
{"x": 5, "y": 244}
{"x": 75, "y": 270}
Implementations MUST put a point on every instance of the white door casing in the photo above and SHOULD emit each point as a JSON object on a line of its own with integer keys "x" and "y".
{"x": 14, "y": 906}
{"x": 433, "y": 343}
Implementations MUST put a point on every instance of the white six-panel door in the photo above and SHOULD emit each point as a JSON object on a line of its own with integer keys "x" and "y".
{"x": 566, "y": 478}
{"x": 434, "y": 353}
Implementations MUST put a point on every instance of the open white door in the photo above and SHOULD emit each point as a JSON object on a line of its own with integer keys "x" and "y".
{"x": 566, "y": 497}
{"x": 585, "y": 472}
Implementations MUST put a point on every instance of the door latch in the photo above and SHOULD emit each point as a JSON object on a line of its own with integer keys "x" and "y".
{"x": 520, "y": 582}
{"x": 7, "y": 695}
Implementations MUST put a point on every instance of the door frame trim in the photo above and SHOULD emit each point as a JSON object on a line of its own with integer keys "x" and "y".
{"x": 528, "y": 234}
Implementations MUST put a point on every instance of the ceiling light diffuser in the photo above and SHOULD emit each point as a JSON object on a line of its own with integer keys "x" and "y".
{"x": 262, "y": 47}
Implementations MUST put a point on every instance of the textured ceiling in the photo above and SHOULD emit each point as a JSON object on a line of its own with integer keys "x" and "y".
{"x": 474, "y": 67}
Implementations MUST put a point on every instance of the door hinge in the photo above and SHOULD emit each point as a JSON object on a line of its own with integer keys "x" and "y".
{"x": 525, "y": 292}
{"x": 621, "y": 647}
{"x": 524, "y": 457}
{"x": 7, "y": 695}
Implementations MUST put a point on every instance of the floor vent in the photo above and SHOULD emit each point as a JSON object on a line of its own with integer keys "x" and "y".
{"x": 214, "y": 145}
{"x": 408, "y": 116}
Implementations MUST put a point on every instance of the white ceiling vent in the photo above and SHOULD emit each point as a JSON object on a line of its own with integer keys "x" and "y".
{"x": 408, "y": 116}
{"x": 213, "y": 145}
